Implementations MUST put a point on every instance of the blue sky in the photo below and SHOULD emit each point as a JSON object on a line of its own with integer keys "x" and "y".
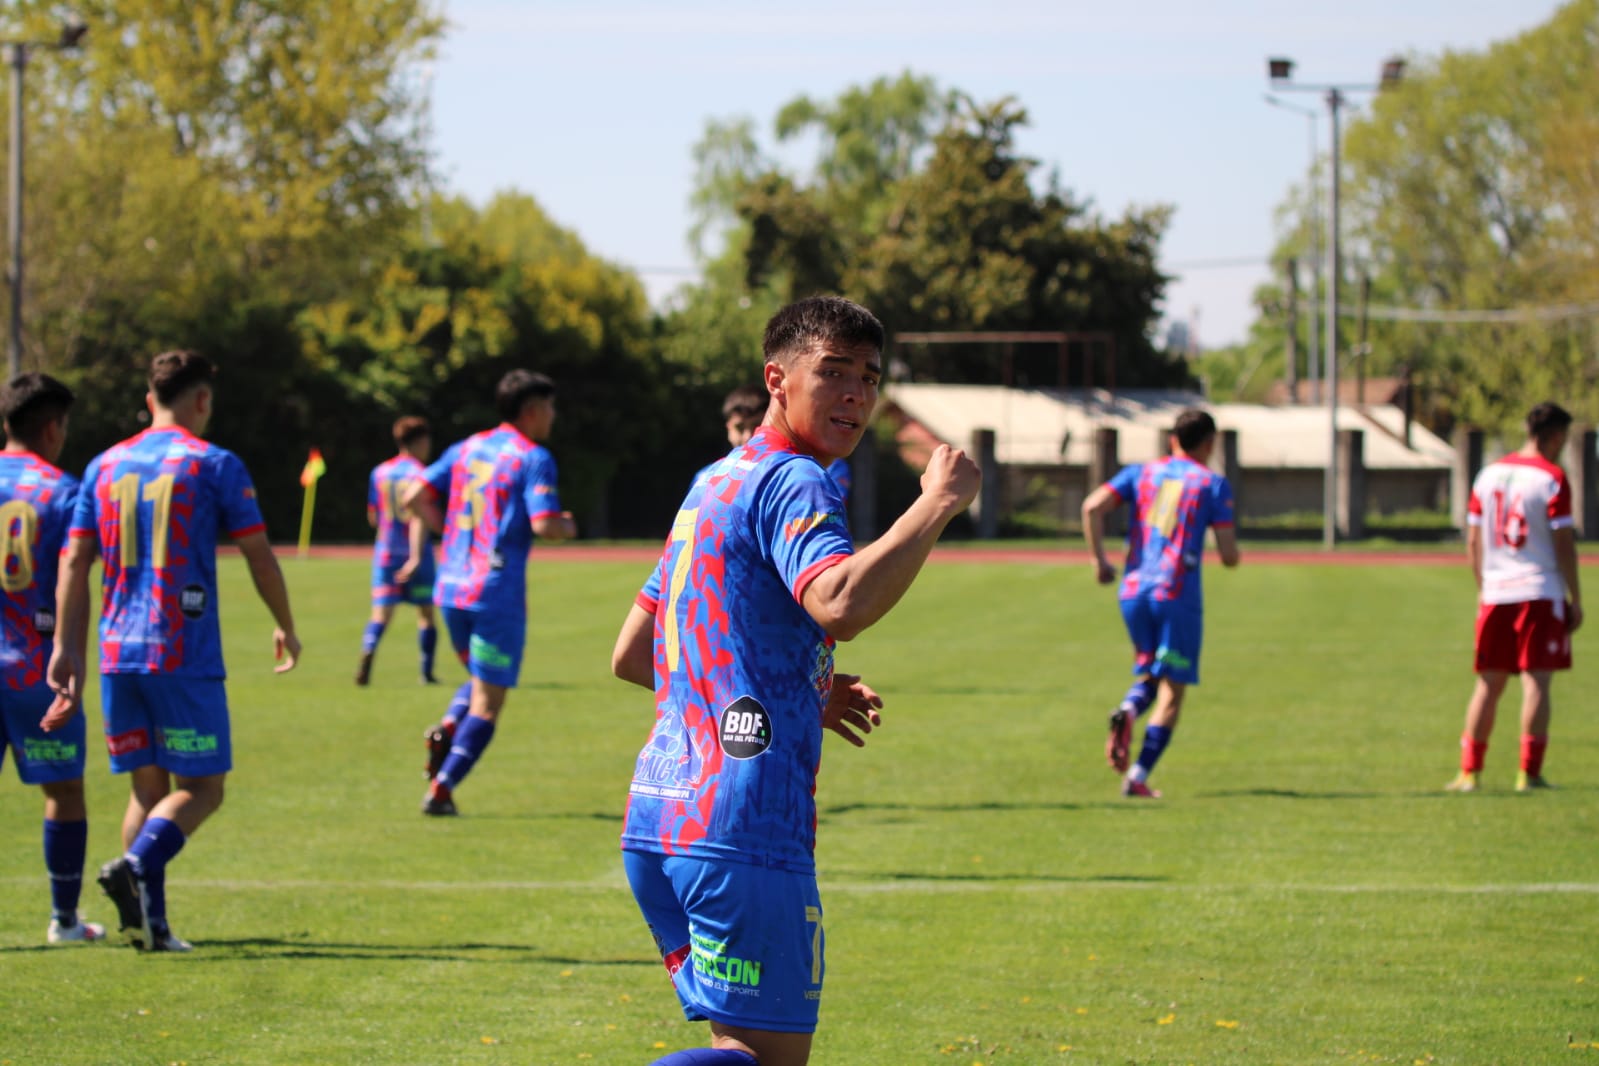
{"x": 593, "y": 107}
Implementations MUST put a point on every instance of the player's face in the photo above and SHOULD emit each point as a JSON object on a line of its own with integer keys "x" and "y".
{"x": 740, "y": 428}
{"x": 540, "y": 415}
{"x": 827, "y": 395}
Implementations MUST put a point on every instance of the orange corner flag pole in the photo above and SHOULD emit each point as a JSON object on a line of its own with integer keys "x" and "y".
{"x": 309, "y": 476}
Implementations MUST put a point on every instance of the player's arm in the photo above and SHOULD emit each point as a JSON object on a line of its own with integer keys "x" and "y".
{"x": 1566, "y": 558}
{"x": 66, "y": 670}
{"x": 1100, "y": 503}
{"x": 1227, "y": 545}
{"x": 1474, "y": 551}
{"x": 274, "y": 592}
{"x": 559, "y": 526}
{"x": 416, "y": 539}
{"x": 847, "y": 598}
{"x": 422, "y": 502}
{"x": 633, "y": 658}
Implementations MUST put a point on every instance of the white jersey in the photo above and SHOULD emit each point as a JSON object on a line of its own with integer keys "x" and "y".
{"x": 1519, "y": 502}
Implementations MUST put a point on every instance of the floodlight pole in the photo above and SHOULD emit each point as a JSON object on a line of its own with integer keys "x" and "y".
{"x": 1313, "y": 324}
{"x": 1281, "y": 72}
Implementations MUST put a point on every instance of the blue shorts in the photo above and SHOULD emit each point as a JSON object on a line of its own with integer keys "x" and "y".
{"x": 742, "y": 943}
{"x": 1166, "y": 637}
{"x": 42, "y": 758}
{"x": 177, "y": 723}
{"x": 489, "y": 644}
{"x": 418, "y": 590}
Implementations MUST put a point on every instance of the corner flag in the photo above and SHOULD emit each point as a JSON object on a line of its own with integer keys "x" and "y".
{"x": 315, "y": 467}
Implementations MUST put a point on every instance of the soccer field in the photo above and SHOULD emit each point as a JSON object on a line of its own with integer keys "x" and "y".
{"x": 1305, "y": 893}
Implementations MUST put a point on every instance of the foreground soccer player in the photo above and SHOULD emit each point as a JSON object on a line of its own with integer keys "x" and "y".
{"x": 1523, "y": 553}
{"x": 36, "y": 502}
{"x": 500, "y": 492}
{"x": 1174, "y": 501}
{"x": 734, "y": 632}
{"x": 392, "y": 548}
{"x": 152, "y": 508}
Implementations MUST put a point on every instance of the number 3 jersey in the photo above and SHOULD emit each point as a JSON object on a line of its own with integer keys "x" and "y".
{"x": 1519, "y": 502}
{"x": 742, "y": 671}
{"x": 1174, "y": 501}
{"x": 496, "y": 483}
{"x": 36, "y": 503}
{"x": 157, "y": 503}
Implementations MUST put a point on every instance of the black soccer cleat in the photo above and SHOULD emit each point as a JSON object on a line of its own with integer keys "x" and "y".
{"x": 363, "y": 673}
{"x": 438, "y": 740}
{"x": 125, "y": 889}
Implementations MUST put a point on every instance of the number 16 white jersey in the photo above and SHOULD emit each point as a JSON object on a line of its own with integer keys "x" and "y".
{"x": 1519, "y": 502}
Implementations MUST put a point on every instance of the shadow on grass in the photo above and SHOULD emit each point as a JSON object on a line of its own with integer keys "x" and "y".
{"x": 974, "y": 808}
{"x": 1481, "y": 796}
{"x": 266, "y": 948}
{"x": 902, "y": 876}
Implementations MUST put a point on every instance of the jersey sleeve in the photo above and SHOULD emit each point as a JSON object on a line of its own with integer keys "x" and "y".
{"x": 372, "y": 500}
{"x": 1474, "y": 508}
{"x": 241, "y": 513}
{"x": 83, "y": 522}
{"x": 649, "y": 597}
{"x": 1221, "y": 502}
{"x": 539, "y": 491}
{"x": 1560, "y": 516}
{"x": 800, "y": 524}
{"x": 1125, "y": 483}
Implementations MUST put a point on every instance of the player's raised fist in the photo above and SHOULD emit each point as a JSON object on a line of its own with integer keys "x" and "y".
{"x": 951, "y": 473}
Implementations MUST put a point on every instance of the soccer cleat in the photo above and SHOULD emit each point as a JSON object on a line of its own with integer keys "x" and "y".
{"x": 164, "y": 939}
{"x": 428, "y": 679}
{"x": 1138, "y": 789}
{"x": 1465, "y": 781}
{"x": 1526, "y": 782}
{"x": 438, "y": 739}
{"x": 1120, "y": 740}
{"x": 440, "y": 806}
{"x": 79, "y": 932}
{"x": 125, "y": 888}
{"x": 363, "y": 673}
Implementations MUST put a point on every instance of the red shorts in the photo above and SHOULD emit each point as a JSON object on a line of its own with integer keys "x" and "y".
{"x": 1512, "y": 637}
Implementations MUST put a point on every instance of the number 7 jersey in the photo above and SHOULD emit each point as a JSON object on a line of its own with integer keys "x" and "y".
{"x": 156, "y": 503}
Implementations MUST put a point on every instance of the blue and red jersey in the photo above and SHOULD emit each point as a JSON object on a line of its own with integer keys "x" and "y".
{"x": 497, "y": 483}
{"x": 36, "y": 501}
{"x": 156, "y": 504}
{"x": 385, "y": 487}
{"x": 742, "y": 671}
{"x": 1175, "y": 500}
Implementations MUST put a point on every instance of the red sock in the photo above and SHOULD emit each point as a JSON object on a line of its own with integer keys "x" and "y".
{"x": 1532, "y": 753}
{"x": 1471, "y": 754}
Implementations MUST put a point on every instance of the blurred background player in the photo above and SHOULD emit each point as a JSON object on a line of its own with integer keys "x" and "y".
{"x": 152, "y": 508}
{"x": 499, "y": 488}
{"x": 36, "y": 501}
{"x": 392, "y": 547}
{"x": 1173, "y": 502}
{"x": 719, "y": 840}
{"x": 742, "y": 411}
{"x": 1523, "y": 551}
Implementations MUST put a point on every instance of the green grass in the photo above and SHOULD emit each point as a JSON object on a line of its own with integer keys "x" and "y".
{"x": 1306, "y": 893}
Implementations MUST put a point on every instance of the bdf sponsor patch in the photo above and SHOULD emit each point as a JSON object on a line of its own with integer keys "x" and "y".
{"x": 746, "y": 728}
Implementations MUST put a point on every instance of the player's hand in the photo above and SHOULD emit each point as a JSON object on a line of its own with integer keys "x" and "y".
{"x": 952, "y": 475}
{"x": 286, "y": 650}
{"x": 1104, "y": 573}
{"x": 62, "y": 709}
{"x": 852, "y": 706}
{"x": 1573, "y": 617}
{"x": 402, "y": 576}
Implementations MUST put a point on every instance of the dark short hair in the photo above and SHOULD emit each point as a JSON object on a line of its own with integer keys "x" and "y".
{"x": 176, "y": 372}
{"x": 817, "y": 320}
{"x": 745, "y": 401}
{"x": 410, "y": 428}
{"x": 31, "y": 401}
{"x": 517, "y": 388}
{"x": 1194, "y": 427}
{"x": 1547, "y": 419}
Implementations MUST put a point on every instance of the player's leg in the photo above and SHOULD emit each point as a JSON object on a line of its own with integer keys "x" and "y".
{"x": 1157, "y": 736}
{"x": 384, "y": 597}
{"x": 1495, "y": 657}
{"x": 1143, "y": 633}
{"x": 1544, "y": 648}
{"x": 1535, "y": 714}
{"x": 427, "y": 641}
{"x": 494, "y": 657}
{"x": 1176, "y": 666}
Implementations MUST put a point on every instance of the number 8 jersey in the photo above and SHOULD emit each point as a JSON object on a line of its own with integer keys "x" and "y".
{"x": 35, "y": 507}
{"x": 156, "y": 503}
{"x": 1519, "y": 502}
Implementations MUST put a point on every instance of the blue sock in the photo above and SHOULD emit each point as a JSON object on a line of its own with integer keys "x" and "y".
{"x": 65, "y": 844}
{"x": 370, "y": 637}
{"x": 158, "y": 843}
{"x": 427, "y": 640}
{"x": 1139, "y": 696}
{"x": 1156, "y": 737}
{"x": 472, "y": 737}
{"x": 459, "y": 703}
{"x": 706, "y": 1056}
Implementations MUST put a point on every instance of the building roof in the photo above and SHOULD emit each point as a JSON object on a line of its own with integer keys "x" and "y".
{"x": 1051, "y": 427}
